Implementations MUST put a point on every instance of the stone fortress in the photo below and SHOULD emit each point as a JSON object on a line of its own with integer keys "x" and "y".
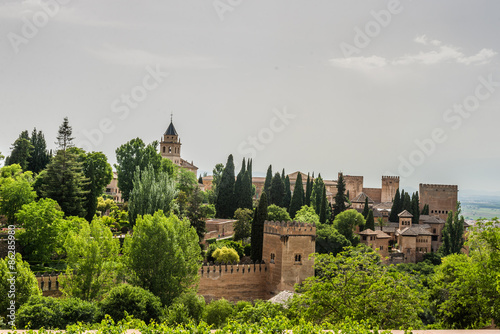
{"x": 287, "y": 245}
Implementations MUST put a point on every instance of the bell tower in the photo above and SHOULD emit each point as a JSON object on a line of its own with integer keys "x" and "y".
{"x": 170, "y": 146}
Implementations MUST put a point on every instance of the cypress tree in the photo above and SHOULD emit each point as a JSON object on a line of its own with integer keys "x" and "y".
{"x": 225, "y": 204}
{"x": 288, "y": 194}
{"x": 317, "y": 194}
{"x": 425, "y": 209}
{"x": 348, "y": 195}
{"x": 340, "y": 196}
{"x": 323, "y": 211}
{"x": 370, "y": 221}
{"x": 200, "y": 180}
{"x": 269, "y": 178}
{"x": 277, "y": 191}
{"x": 395, "y": 207}
{"x": 246, "y": 200}
{"x": 308, "y": 190}
{"x": 453, "y": 233}
{"x": 406, "y": 202}
{"x": 258, "y": 228}
{"x": 415, "y": 211}
{"x": 297, "y": 198}
{"x": 238, "y": 185}
{"x": 283, "y": 176}
{"x": 366, "y": 209}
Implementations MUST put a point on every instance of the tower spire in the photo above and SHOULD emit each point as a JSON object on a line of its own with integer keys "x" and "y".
{"x": 171, "y": 116}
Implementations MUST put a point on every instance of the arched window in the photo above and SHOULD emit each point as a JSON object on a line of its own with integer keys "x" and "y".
{"x": 163, "y": 149}
{"x": 170, "y": 149}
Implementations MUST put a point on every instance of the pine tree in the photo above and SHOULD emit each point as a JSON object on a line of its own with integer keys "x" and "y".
{"x": 269, "y": 178}
{"x": 225, "y": 204}
{"x": 298, "y": 197}
{"x": 323, "y": 210}
{"x": 366, "y": 208}
{"x": 396, "y": 204}
{"x": 238, "y": 185}
{"x": 340, "y": 196}
{"x": 370, "y": 221}
{"x": 309, "y": 184}
{"x": 21, "y": 151}
{"x": 277, "y": 191}
{"x": 288, "y": 194}
{"x": 258, "y": 228}
{"x": 64, "y": 180}
{"x": 39, "y": 156}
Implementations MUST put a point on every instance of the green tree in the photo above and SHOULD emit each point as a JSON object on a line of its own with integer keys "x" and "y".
{"x": 131, "y": 155}
{"x": 150, "y": 193}
{"x": 64, "y": 180}
{"x": 317, "y": 194}
{"x": 15, "y": 190}
{"x": 323, "y": 213}
{"x": 370, "y": 221}
{"x": 226, "y": 202}
{"x": 92, "y": 261}
{"x": 297, "y": 197}
{"x": 21, "y": 151}
{"x": 287, "y": 197}
{"x": 216, "y": 178}
{"x": 269, "y": 178}
{"x": 258, "y": 228}
{"x": 340, "y": 197}
{"x": 218, "y": 311}
{"x": 346, "y": 222}
{"x": 277, "y": 190}
{"x": 238, "y": 185}
{"x": 99, "y": 173}
{"x": 329, "y": 240}
{"x": 425, "y": 210}
{"x": 246, "y": 198}
{"x": 453, "y": 231}
{"x": 306, "y": 214}
{"x": 366, "y": 208}
{"x": 168, "y": 245}
{"x": 196, "y": 213}
{"x": 277, "y": 213}
{"x": 40, "y": 156}
{"x": 354, "y": 285}
{"x": 242, "y": 227}
{"x": 415, "y": 208}
{"x": 14, "y": 270}
{"x": 309, "y": 186}
{"x": 396, "y": 206}
{"x": 226, "y": 255}
{"x": 43, "y": 222}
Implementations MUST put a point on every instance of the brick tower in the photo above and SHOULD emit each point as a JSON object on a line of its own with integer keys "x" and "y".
{"x": 389, "y": 186}
{"x": 170, "y": 146}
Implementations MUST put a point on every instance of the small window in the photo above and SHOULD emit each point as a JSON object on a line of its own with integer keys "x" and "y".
{"x": 163, "y": 149}
{"x": 381, "y": 247}
{"x": 170, "y": 149}
{"x": 298, "y": 258}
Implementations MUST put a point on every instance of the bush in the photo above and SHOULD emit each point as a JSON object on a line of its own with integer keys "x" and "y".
{"x": 225, "y": 255}
{"x": 237, "y": 246}
{"x": 49, "y": 312}
{"x": 247, "y": 250}
{"x": 193, "y": 304}
{"x": 259, "y": 311}
{"x": 137, "y": 302}
{"x": 218, "y": 311}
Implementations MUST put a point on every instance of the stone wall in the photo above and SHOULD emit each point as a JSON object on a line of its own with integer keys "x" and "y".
{"x": 233, "y": 282}
{"x": 374, "y": 193}
{"x": 353, "y": 184}
{"x": 390, "y": 184}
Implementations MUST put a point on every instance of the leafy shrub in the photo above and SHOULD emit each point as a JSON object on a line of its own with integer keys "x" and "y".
{"x": 218, "y": 311}
{"x": 49, "y": 312}
{"x": 193, "y": 304}
{"x": 237, "y": 246}
{"x": 225, "y": 255}
{"x": 259, "y": 311}
{"x": 247, "y": 250}
{"x": 136, "y": 301}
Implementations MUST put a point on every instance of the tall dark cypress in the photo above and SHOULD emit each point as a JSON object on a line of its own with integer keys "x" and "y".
{"x": 309, "y": 184}
{"x": 277, "y": 191}
{"x": 269, "y": 178}
{"x": 260, "y": 217}
{"x": 297, "y": 197}
{"x": 415, "y": 204}
{"x": 395, "y": 207}
{"x": 39, "y": 156}
{"x": 288, "y": 193}
{"x": 324, "y": 201}
{"x": 246, "y": 200}
{"x": 370, "y": 221}
{"x": 340, "y": 196}
{"x": 238, "y": 185}
{"x": 366, "y": 209}
{"x": 225, "y": 204}
{"x": 283, "y": 176}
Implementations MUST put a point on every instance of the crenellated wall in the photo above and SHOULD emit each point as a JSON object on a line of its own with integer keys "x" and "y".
{"x": 441, "y": 198}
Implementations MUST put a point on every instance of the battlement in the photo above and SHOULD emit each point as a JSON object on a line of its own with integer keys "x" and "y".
{"x": 289, "y": 228}
{"x": 388, "y": 177}
{"x": 439, "y": 186}
{"x": 217, "y": 269}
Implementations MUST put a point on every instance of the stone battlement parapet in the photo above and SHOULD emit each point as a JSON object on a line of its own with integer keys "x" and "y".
{"x": 390, "y": 177}
{"x": 440, "y": 186}
{"x": 289, "y": 228}
{"x": 216, "y": 269}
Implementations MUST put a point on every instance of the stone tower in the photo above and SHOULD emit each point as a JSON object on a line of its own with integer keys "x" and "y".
{"x": 441, "y": 198}
{"x": 286, "y": 250}
{"x": 405, "y": 219}
{"x": 170, "y": 146}
{"x": 390, "y": 185}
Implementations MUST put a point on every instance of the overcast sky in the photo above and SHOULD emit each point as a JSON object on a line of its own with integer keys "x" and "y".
{"x": 409, "y": 88}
